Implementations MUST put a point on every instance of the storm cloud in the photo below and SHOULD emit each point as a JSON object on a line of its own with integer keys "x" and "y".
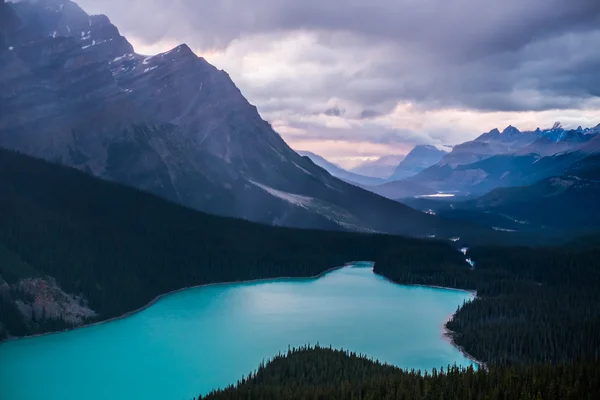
{"x": 363, "y": 69}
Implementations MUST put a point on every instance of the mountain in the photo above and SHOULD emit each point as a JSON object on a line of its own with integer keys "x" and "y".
{"x": 381, "y": 167}
{"x": 339, "y": 172}
{"x": 559, "y": 134}
{"x": 487, "y": 145}
{"x": 74, "y": 92}
{"x": 497, "y": 171}
{"x": 417, "y": 160}
{"x": 76, "y": 249}
{"x": 508, "y": 158}
{"x": 565, "y": 202}
{"x": 558, "y": 140}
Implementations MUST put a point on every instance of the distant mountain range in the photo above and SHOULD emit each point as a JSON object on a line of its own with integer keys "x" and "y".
{"x": 393, "y": 187}
{"x": 340, "y": 172}
{"x": 381, "y": 167}
{"x": 508, "y": 158}
{"x": 535, "y": 181}
{"x": 75, "y": 92}
{"x": 564, "y": 201}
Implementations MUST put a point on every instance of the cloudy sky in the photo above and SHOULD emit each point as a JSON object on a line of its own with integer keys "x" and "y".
{"x": 354, "y": 79}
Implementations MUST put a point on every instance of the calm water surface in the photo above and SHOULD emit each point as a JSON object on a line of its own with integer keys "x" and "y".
{"x": 199, "y": 339}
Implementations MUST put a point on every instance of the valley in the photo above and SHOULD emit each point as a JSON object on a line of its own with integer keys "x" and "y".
{"x": 166, "y": 233}
{"x": 75, "y": 237}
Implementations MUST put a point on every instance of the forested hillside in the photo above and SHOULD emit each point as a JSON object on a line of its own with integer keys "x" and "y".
{"x": 111, "y": 249}
{"x": 534, "y": 305}
{"x": 325, "y": 374}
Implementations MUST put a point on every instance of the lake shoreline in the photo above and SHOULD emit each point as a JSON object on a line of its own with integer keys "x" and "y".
{"x": 447, "y": 334}
{"x": 160, "y": 296}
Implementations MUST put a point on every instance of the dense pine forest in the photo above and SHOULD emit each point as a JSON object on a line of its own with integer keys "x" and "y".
{"x": 120, "y": 247}
{"x": 534, "y": 305}
{"x": 326, "y": 374}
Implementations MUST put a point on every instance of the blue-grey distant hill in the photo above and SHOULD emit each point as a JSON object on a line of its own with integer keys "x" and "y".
{"x": 340, "y": 172}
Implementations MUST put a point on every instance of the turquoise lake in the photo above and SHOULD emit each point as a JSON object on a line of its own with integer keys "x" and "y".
{"x": 192, "y": 341}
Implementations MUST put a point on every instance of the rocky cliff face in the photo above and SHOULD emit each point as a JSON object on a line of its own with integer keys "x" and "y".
{"x": 38, "y": 304}
{"x": 73, "y": 90}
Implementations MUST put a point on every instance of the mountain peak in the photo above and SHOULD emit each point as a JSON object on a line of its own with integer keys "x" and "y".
{"x": 493, "y": 134}
{"x": 557, "y": 125}
{"x": 55, "y": 19}
{"x": 510, "y": 130}
{"x": 183, "y": 48}
{"x": 420, "y": 157}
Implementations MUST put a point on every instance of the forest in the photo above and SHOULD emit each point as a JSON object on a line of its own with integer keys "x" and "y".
{"x": 326, "y": 374}
{"x": 120, "y": 247}
{"x": 534, "y": 305}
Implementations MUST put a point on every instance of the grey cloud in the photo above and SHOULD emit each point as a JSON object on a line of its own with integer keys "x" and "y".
{"x": 462, "y": 27}
{"x": 509, "y": 55}
{"x": 400, "y": 136}
{"x": 555, "y": 73}
{"x": 366, "y": 133}
{"x": 367, "y": 114}
{"x": 334, "y": 112}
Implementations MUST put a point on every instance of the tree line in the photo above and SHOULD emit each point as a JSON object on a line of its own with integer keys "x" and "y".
{"x": 534, "y": 305}
{"x": 325, "y": 374}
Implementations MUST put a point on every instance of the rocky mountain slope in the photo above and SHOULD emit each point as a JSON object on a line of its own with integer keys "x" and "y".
{"x": 72, "y": 90}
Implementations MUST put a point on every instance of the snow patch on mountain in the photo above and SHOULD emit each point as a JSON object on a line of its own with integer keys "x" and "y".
{"x": 295, "y": 199}
{"x": 502, "y": 229}
{"x": 514, "y": 220}
{"x": 303, "y": 169}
